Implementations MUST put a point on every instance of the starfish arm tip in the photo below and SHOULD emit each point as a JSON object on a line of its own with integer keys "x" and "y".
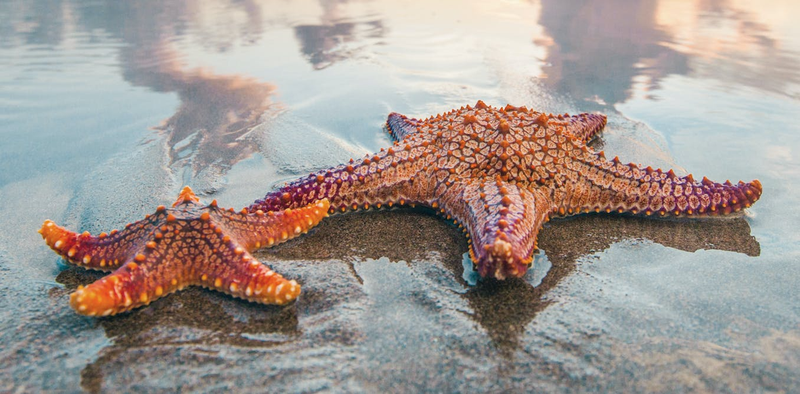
{"x": 400, "y": 126}
{"x": 101, "y": 298}
{"x": 62, "y": 241}
{"x": 186, "y": 196}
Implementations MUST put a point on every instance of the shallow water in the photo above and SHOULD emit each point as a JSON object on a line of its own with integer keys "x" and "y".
{"x": 108, "y": 108}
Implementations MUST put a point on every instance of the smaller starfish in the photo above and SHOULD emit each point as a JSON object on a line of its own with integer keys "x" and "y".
{"x": 188, "y": 244}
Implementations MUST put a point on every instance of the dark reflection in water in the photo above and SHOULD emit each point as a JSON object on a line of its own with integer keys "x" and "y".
{"x": 566, "y": 241}
{"x": 142, "y": 24}
{"x": 209, "y": 130}
{"x": 751, "y": 55}
{"x": 335, "y": 37}
{"x": 598, "y": 47}
{"x": 47, "y": 21}
{"x": 324, "y": 45}
{"x": 208, "y": 133}
{"x": 34, "y": 22}
{"x": 598, "y": 50}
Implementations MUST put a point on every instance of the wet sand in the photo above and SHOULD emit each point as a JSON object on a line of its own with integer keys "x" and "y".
{"x": 350, "y": 329}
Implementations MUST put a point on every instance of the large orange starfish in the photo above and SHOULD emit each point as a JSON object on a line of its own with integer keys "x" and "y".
{"x": 188, "y": 244}
{"x": 502, "y": 173}
{"x": 499, "y": 172}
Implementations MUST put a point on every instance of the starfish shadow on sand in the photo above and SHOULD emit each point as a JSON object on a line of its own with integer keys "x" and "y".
{"x": 565, "y": 241}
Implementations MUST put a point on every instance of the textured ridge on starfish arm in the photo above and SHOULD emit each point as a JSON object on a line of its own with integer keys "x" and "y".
{"x": 382, "y": 179}
{"x": 584, "y": 127}
{"x": 611, "y": 186}
{"x": 400, "y": 126}
{"x": 103, "y": 252}
{"x": 246, "y": 227}
{"x": 189, "y": 244}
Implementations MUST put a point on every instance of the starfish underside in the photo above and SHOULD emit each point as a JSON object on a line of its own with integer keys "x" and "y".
{"x": 188, "y": 244}
{"x": 501, "y": 173}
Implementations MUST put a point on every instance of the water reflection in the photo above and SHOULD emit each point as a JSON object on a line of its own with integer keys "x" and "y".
{"x": 735, "y": 42}
{"x": 567, "y": 241}
{"x": 215, "y": 25}
{"x": 208, "y": 133}
{"x": 603, "y": 51}
{"x": 599, "y": 48}
{"x": 324, "y": 45}
{"x": 335, "y": 37}
{"x": 35, "y": 22}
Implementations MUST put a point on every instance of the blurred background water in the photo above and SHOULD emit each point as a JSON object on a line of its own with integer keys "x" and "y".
{"x": 107, "y": 108}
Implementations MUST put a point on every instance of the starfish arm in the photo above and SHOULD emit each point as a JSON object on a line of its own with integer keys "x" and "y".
{"x": 502, "y": 220}
{"x": 143, "y": 279}
{"x": 241, "y": 275}
{"x": 253, "y": 230}
{"x": 401, "y": 126}
{"x": 104, "y": 252}
{"x": 179, "y": 260}
{"x": 611, "y": 186}
{"x": 385, "y": 178}
{"x": 585, "y": 126}
{"x": 124, "y": 289}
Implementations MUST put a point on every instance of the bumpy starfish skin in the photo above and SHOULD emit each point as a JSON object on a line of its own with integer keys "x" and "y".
{"x": 188, "y": 244}
{"x": 501, "y": 173}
